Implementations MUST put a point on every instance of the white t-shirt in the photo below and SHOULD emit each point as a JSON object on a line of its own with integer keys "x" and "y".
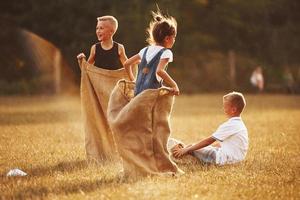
{"x": 256, "y": 78}
{"x": 153, "y": 50}
{"x": 233, "y": 136}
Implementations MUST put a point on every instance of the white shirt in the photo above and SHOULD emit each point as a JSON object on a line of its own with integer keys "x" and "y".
{"x": 256, "y": 78}
{"x": 153, "y": 50}
{"x": 233, "y": 136}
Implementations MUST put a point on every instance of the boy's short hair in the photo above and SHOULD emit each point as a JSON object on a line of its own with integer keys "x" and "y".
{"x": 237, "y": 99}
{"x": 111, "y": 19}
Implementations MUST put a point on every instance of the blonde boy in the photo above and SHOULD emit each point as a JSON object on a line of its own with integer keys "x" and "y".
{"x": 97, "y": 80}
{"x": 232, "y": 136}
{"x": 106, "y": 54}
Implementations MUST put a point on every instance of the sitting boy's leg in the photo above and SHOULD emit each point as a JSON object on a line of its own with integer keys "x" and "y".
{"x": 207, "y": 154}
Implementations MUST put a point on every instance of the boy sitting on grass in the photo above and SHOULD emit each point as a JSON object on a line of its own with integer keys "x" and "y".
{"x": 231, "y": 135}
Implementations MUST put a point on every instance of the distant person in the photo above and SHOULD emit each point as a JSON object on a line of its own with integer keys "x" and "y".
{"x": 153, "y": 59}
{"x": 289, "y": 81}
{"x": 232, "y": 137}
{"x": 257, "y": 79}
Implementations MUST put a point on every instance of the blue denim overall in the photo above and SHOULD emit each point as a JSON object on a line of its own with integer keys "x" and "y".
{"x": 146, "y": 78}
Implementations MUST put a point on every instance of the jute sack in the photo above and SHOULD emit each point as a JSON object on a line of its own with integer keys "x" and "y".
{"x": 95, "y": 90}
{"x": 141, "y": 128}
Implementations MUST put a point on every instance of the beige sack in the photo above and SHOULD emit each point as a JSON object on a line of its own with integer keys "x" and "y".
{"x": 141, "y": 129}
{"x": 95, "y": 89}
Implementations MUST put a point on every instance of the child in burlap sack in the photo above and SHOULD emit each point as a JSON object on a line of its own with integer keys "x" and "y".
{"x": 106, "y": 54}
{"x": 153, "y": 59}
{"x": 141, "y": 122}
{"x": 99, "y": 75}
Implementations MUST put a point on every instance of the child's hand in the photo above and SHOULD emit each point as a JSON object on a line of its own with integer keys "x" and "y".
{"x": 179, "y": 152}
{"x": 80, "y": 56}
{"x": 175, "y": 90}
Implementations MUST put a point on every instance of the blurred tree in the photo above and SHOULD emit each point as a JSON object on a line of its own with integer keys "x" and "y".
{"x": 263, "y": 31}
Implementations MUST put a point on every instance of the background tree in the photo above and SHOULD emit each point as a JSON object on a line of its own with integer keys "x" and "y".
{"x": 258, "y": 32}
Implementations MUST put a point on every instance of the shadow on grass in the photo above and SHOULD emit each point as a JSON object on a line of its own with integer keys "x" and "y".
{"x": 64, "y": 188}
{"x": 60, "y": 167}
{"x": 27, "y": 187}
{"x": 83, "y": 186}
{"x": 61, "y": 187}
{"x": 21, "y": 118}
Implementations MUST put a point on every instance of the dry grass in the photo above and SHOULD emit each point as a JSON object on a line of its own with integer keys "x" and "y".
{"x": 43, "y": 137}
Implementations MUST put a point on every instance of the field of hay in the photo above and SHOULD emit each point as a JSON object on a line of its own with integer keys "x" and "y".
{"x": 43, "y": 136}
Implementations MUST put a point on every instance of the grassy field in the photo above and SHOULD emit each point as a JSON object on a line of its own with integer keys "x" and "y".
{"x": 43, "y": 137}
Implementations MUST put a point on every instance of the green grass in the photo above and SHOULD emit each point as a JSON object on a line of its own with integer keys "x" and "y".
{"x": 43, "y": 137}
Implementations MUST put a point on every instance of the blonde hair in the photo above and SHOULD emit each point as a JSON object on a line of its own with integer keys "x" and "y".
{"x": 160, "y": 27}
{"x": 236, "y": 99}
{"x": 111, "y": 19}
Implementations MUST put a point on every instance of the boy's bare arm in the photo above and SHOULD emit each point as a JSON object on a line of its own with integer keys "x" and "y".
{"x": 161, "y": 72}
{"x": 203, "y": 143}
{"x": 128, "y": 65}
{"x": 122, "y": 54}
{"x": 91, "y": 59}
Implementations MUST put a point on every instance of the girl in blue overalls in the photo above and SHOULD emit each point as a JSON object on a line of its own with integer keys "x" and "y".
{"x": 154, "y": 58}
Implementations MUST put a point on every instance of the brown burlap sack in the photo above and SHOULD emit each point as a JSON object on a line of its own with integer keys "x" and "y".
{"x": 141, "y": 129}
{"x": 95, "y": 90}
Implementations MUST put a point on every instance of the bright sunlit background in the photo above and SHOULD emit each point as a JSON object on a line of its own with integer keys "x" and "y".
{"x": 218, "y": 46}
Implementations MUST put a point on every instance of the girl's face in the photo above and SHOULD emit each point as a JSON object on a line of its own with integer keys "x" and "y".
{"x": 169, "y": 41}
{"x": 104, "y": 30}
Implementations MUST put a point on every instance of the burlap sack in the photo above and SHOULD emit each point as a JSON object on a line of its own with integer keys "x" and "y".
{"x": 95, "y": 90}
{"x": 141, "y": 129}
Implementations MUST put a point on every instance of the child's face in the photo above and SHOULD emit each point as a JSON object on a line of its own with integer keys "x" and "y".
{"x": 104, "y": 30}
{"x": 169, "y": 41}
{"x": 229, "y": 109}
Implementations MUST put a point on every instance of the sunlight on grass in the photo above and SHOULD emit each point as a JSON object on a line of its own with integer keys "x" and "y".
{"x": 43, "y": 137}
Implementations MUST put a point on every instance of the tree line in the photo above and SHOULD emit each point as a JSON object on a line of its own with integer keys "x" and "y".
{"x": 259, "y": 32}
